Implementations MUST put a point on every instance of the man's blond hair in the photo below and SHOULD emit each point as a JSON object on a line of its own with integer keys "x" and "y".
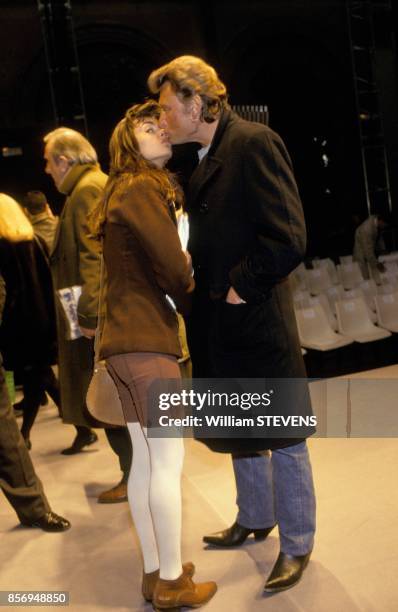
{"x": 189, "y": 76}
{"x": 72, "y": 145}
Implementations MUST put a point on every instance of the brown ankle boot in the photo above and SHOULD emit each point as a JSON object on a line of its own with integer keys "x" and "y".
{"x": 149, "y": 580}
{"x": 172, "y": 595}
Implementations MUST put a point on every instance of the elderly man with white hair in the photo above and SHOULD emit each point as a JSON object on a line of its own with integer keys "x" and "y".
{"x": 75, "y": 262}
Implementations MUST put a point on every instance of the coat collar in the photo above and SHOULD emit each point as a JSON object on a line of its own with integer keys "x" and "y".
{"x": 225, "y": 118}
{"x": 73, "y": 176}
{"x": 66, "y": 187}
{"x": 211, "y": 162}
{"x": 35, "y": 219}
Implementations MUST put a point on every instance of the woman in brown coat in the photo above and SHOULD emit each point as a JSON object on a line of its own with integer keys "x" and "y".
{"x": 145, "y": 264}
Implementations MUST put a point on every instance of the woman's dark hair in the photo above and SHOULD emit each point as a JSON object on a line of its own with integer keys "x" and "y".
{"x": 127, "y": 162}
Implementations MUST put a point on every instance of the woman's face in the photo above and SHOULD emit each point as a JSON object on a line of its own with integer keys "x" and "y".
{"x": 153, "y": 142}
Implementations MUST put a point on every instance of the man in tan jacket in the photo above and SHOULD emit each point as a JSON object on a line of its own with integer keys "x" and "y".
{"x": 41, "y": 217}
{"x": 75, "y": 262}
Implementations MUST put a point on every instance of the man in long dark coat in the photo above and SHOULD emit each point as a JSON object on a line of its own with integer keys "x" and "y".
{"x": 247, "y": 234}
{"x": 75, "y": 262}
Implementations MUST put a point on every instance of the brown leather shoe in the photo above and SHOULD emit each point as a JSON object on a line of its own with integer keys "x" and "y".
{"x": 149, "y": 580}
{"x": 172, "y": 595}
{"x": 115, "y": 495}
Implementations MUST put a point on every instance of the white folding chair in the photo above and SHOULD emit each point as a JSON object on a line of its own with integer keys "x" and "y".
{"x": 354, "y": 321}
{"x": 346, "y": 259}
{"x": 387, "y": 311}
{"x": 393, "y": 256}
{"x": 350, "y": 275}
{"x": 318, "y": 280}
{"x": 298, "y": 278}
{"x": 301, "y": 299}
{"x": 391, "y": 267}
{"x": 388, "y": 285}
{"x": 358, "y": 292}
{"x": 323, "y": 301}
{"x": 330, "y": 267}
{"x": 369, "y": 289}
{"x": 387, "y": 278}
{"x": 333, "y": 294}
{"x": 315, "y": 331}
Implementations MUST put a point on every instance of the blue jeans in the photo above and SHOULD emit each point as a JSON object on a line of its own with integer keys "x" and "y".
{"x": 278, "y": 489}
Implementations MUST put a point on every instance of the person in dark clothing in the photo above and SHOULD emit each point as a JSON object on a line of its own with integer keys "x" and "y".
{"x": 18, "y": 479}
{"x": 247, "y": 233}
{"x": 71, "y": 161}
{"x": 27, "y": 334}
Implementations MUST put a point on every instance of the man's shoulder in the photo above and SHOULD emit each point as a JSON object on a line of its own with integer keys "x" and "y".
{"x": 244, "y": 132}
{"x": 93, "y": 177}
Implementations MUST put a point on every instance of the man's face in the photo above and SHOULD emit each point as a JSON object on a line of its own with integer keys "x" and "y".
{"x": 56, "y": 168}
{"x": 176, "y": 117}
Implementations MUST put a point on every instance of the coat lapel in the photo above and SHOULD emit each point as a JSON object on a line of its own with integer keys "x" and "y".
{"x": 211, "y": 163}
{"x": 202, "y": 175}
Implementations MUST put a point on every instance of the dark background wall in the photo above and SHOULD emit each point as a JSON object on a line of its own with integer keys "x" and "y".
{"x": 292, "y": 55}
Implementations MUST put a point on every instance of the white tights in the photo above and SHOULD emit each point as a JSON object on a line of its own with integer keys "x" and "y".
{"x": 154, "y": 493}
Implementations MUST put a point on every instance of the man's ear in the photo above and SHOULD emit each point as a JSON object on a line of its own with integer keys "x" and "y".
{"x": 196, "y": 107}
{"x": 63, "y": 159}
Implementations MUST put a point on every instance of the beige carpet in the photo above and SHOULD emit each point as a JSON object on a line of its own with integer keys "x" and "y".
{"x": 354, "y": 567}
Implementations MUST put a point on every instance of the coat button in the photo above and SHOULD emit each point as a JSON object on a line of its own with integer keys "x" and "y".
{"x": 204, "y": 207}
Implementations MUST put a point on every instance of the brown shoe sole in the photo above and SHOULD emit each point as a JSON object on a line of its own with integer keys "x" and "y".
{"x": 182, "y": 605}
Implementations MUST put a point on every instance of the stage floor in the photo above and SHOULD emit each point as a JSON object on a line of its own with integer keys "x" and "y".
{"x": 354, "y": 566}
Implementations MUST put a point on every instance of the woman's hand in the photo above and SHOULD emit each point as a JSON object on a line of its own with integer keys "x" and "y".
{"x": 87, "y": 333}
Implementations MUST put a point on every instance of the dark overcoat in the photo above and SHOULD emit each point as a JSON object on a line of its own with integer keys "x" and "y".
{"x": 27, "y": 332}
{"x": 247, "y": 230}
{"x": 75, "y": 260}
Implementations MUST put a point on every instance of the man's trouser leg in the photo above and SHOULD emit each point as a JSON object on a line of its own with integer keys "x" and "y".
{"x": 294, "y": 498}
{"x": 120, "y": 442}
{"x": 18, "y": 479}
{"x": 255, "y": 499}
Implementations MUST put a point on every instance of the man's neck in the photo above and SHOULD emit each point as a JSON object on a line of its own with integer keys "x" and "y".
{"x": 206, "y": 132}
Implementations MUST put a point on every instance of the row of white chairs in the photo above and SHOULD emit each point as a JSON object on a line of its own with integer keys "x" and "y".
{"x": 368, "y": 290}
{"x": 323, "y": 329}
{"x": 325, "y": 274}
{"x": 393, "y": 256}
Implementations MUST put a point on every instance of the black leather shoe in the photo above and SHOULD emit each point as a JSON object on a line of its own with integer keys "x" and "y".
{"x": 20, "y": 406}
{"x": 236, "y": 535}
{"x": 50, "y": 522}
{"x": 286, "y": 572}
{"x": 80, "y": 442}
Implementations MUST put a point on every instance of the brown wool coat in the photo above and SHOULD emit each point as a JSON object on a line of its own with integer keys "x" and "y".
{"x": 75, "y": 260}
{"x": 144, "y": 262}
